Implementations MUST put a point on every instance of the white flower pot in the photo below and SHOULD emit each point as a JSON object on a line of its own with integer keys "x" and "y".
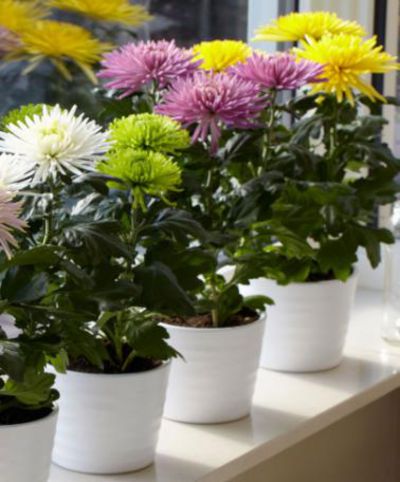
{"x": 25, "y": 450}
{"x": 109, "y": 423}
{"x": 307, "y": 326}
{"x": 215, "y": 381}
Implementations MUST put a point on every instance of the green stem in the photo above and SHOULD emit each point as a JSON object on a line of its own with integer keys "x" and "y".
{"x": 268, "y": 137}
{"x": 209, "y": 207}
{"x": 333, "y": 144}
{"x": 209, "y": 198}
{"x": 118, "y": 340}
{"x": 134, "y": 226}
{"x": 214, "y": 312}
{"x": 128, "y": 360}
{"x": 48, "y": 222}
{"x": 49, "y": 218}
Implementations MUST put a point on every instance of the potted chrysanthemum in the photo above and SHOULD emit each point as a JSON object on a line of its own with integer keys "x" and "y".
{"x": 27, "y": 394}
{"x": 331, "y": 172}
{"x": 192, "y": 87}
{"x": 221, "y": 343}
{"x": 96, "y": 216}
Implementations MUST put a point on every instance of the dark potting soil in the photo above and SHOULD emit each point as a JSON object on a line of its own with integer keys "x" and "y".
{"x": 244, "y": 317}
{"x": 137, "y": 365}
{"x": 315, "y": 277}
{"x": 15, "y": 415}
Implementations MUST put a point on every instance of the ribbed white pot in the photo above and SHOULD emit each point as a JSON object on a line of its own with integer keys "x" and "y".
{"x": 307, "y": 326}
{"x": 215, "y": 381}
{"x": 25, "y": 450}
{"x": 109, "y": 423}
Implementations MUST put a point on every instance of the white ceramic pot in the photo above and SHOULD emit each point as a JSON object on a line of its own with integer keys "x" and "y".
{"x": 109, "y": 424}
{"x": 25, "y": 450}
{"x": 307, "y": 326}
{"x": 215, "y": 381}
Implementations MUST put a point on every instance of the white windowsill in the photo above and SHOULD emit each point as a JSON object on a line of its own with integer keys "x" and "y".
{"x": 287, "y": 409}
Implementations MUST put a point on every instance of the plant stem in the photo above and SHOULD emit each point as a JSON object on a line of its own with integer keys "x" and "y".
{"x": 332, "y": 146}
{"x": 128, "y": 360}
{"x": 118, "y": 343}
{"x": 48, "y": 220}
{"x": 134, "y": 226}
{"x": 268, "y": 136}
{"x": 209, "y": 207}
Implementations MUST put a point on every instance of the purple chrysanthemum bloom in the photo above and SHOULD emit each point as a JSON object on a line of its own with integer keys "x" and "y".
{"x": 9, "y": 221}
{"x": 8, "y": 42}
{"x": 210, "y": 100}
{"x": 133, "y": 66}
{"x": 278, "y": 71}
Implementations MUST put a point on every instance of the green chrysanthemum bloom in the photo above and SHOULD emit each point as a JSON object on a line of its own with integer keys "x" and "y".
{"x": 149, "y": 132}
{"x": 20, "y": 114}
{"x": 143, "y": 172}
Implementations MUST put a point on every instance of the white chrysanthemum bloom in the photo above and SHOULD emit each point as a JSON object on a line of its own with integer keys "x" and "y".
{"x": 56, "y": 142}
{"x": 15, "y": 173}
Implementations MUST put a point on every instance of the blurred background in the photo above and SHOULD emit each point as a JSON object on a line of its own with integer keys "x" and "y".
{"x": 188, "y": 22}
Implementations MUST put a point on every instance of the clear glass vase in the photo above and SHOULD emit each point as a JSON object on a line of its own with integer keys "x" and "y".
{"x": 391, "y": 323}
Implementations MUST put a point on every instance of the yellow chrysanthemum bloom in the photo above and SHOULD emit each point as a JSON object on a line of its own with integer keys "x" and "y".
{"x": 346, "y": 59}
{"x": 301, "y": 26}
{"x": 218, "y": 55}
{"x": 121, "y": 11}
{"x": 60, "y": 42}
{"x": 18, "y": 15}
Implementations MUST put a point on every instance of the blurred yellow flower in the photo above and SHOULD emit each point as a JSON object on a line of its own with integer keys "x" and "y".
{"x": 346, "y": 59}
{"x": 16, "y": 15}
{"x": 218, "y": 55}
{"x": 60, "y": 42}
{"x": 121, "y": 11}
{"x": 301, "y": 26}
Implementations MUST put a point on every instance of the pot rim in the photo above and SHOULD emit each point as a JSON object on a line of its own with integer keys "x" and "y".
{"x": 220, "y": 329}
{"x": 164, "y": 365}
{"x": 52, "y": 414}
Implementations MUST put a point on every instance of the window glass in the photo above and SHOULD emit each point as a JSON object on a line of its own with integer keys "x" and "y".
{"x": 187, "y": 21}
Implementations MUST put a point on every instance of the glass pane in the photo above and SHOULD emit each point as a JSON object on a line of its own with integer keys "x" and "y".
{"x": 190, "y": 21}
{"x": 187, "y": 21}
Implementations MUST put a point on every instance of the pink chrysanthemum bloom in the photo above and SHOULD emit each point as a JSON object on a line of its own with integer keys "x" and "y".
{"x": 133, "y": 66}
{"x": 9, "y": 42}
{"x": 278, "y": 71}
{"x": 9, "y": 221}
{"x": 211, "y": 100}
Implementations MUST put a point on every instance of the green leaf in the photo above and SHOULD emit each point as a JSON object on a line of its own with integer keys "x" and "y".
{"x": 371, "y": 239}
{"x": 11, "y": 360}
{"x": 339, "y": 256}
{"x": 258, "y": 302}
{"x": 22, "y": 285}
{"x": 148, "y": 339}
{"x": 176, "y": 222}
{"x": 229, "y": 302}
{"x": 99, "y": 239}
{"x": 40, "y": 255}
{"x": 306, "y": 128}
{"x": 59, "y": 361}
{"x": 186, "y": 264}
{"x": 35, "y": 389}
{"x": 161, "y": 291}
